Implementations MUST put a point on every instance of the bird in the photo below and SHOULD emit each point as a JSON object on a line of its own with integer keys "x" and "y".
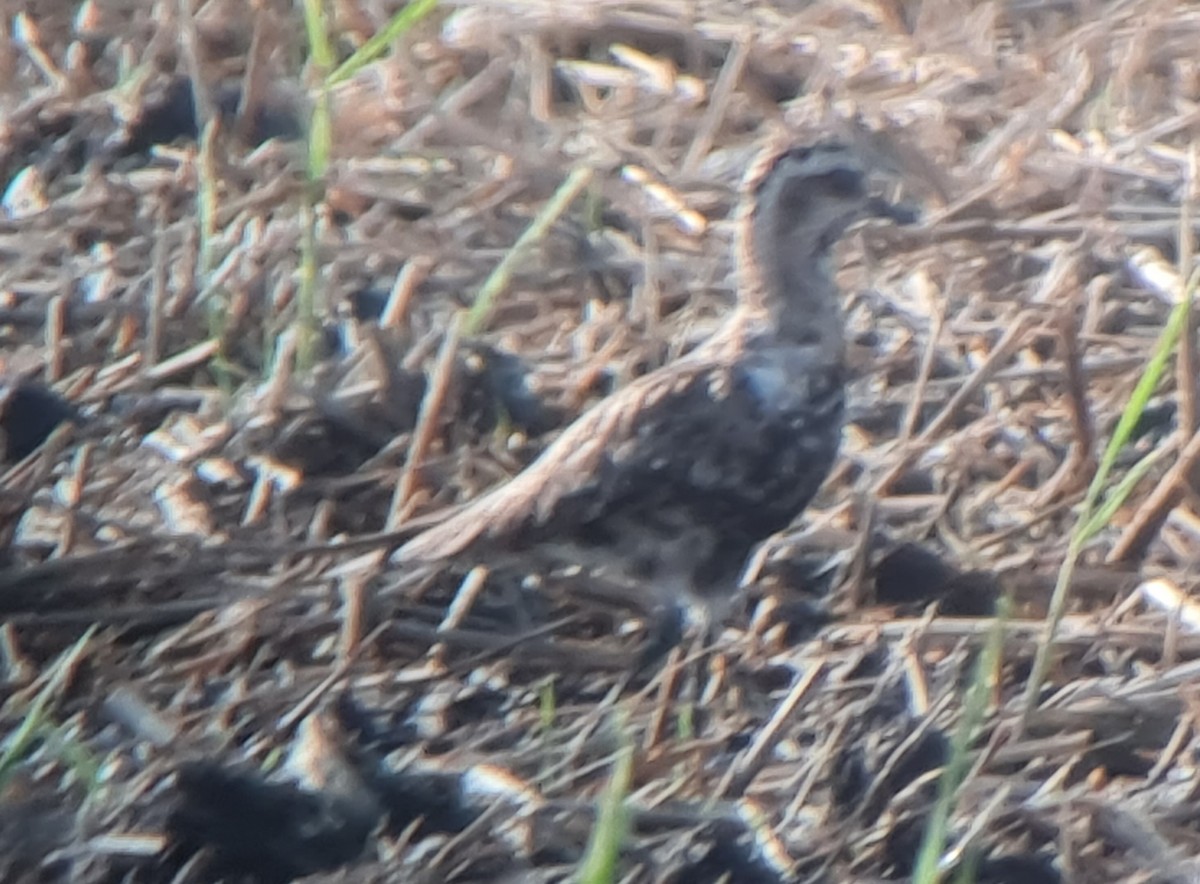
{"x": 672, "y": 481}
{"x": 29, "y": 413}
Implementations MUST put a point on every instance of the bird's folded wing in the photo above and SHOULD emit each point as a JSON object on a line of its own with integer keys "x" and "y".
{"x": 580, "y": 471}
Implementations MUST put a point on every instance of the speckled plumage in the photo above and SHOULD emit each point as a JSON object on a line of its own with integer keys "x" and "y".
{"x": 675, "y": 478}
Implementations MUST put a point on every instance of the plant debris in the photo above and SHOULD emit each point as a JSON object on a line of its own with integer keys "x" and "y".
{"x": 223, "y": 519}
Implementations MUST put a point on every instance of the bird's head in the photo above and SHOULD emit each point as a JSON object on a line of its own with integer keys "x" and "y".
{"x": 804, "y": 198}
{"x": 795, "y": 205}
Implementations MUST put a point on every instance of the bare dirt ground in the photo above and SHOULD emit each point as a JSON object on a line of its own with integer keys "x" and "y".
{"x": 197, "y": 611}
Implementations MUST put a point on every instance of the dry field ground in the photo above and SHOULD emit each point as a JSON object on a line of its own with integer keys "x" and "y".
{"x": 207, "y": 669}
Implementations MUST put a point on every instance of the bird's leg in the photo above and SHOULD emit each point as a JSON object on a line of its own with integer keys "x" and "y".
{"x": 666, "y": 630}
{"x": 685, "y": 599}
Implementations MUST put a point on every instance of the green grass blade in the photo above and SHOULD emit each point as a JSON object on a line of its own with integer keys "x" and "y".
{"x": 498, "y": 280}
{"x": 974, "y": 708}
{"x": 401, "y": 22}
{"x": 319, "y": 148}
{"x": 37, "y": 715}
{"x": 319, "y": 47}
{"x": 1119, "y": 494}
{"x": 320, "y": 138}
{"x": 599, "y": 864}
{"x": 1140, "y": 397}
{"x": 1088, "y": 524}
{"x": 547, "y": 705}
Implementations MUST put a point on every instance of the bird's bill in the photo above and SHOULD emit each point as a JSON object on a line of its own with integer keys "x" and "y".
{"x": 879, "y": 207}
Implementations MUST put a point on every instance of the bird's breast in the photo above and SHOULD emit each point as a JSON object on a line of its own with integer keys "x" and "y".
{"x": 791, "y": 384}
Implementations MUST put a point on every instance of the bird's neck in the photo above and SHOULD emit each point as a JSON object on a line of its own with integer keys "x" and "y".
{"x": 790, "y": 283}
